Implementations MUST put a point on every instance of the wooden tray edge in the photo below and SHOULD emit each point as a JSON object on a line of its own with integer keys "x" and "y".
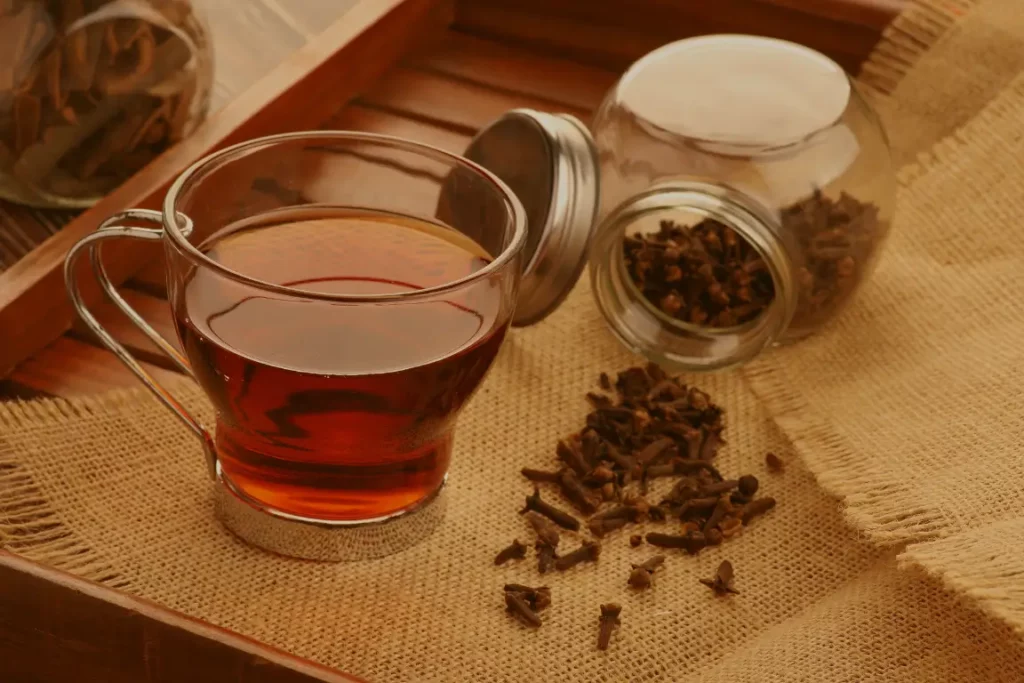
{"x": 101, "y": 627}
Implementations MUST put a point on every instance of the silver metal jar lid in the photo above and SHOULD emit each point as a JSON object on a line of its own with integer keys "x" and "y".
{"x": 550, "y": 162}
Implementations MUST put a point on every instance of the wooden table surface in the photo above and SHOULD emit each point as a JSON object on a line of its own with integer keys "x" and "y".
{"x": 487, "y": 64}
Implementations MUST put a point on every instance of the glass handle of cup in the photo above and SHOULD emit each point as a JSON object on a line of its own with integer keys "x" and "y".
{"x": 115, "y": 228}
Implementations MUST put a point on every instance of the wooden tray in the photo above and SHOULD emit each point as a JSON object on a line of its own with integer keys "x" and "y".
{"x": 435, "y": 70}
{"x": 431, "y": 70}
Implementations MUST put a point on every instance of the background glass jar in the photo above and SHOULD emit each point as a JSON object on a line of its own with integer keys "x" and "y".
{"x": 746, "y": 191}
{"x": 91, "y": 90}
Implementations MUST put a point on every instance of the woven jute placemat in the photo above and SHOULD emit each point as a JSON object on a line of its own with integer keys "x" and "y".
{"x": 112, "y": 488}
{"x": 940, "y": 63}
{"x": 918, "y": 427}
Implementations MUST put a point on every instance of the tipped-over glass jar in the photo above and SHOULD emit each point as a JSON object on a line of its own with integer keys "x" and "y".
{"x": 746, "y": 190}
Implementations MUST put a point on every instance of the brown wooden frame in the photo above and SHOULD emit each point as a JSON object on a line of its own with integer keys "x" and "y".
{"x": 56, "y": 628}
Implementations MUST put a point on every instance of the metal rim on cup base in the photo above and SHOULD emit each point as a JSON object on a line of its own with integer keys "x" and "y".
{"x": 325, "y": 541}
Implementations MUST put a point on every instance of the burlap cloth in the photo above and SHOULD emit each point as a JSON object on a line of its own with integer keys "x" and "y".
{"x": 113, "y": 489}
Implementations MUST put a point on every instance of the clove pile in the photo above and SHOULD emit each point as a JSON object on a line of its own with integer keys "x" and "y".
{"x": 645, "y": 431}
{"x": 645, "y": 427}
{"x": 707, "y": 275}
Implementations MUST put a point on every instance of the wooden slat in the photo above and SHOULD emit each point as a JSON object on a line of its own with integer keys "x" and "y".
{"x": 355, "y": 117}
{"x": 873, "y": 14}
{"x": 56, "y": 628}
{"x": 441, "y": 100}
{"x": 613, "y": 34}
{"x": 301, "y": 93}
{"x": 156, "y": 311}
{"x": 69, "y": 367}
{"x": 511, "y": 68}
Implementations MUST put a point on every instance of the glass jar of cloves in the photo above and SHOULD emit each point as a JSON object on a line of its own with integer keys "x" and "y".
{"x": 733, "y": 192}
{"x": 92, "y": 90}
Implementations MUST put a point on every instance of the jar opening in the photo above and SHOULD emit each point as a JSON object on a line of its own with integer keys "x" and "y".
{"x": 720, "y": 286}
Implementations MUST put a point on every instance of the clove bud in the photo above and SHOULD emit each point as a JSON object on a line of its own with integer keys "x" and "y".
{"x": 609, "y": 621}
{"x": 600, "y": 527}
{"x": 588, "y": 552}
{"x": 515, "y": 551}
{"x": 722, "y": 583}
{"x": 517, "y": 606}
{"x": 756, "y": 508}
{"x": 640, "y": 577}
{"x": 559, "y": 517}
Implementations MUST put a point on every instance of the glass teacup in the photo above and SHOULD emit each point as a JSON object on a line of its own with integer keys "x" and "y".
{"x": 339, "y": 297}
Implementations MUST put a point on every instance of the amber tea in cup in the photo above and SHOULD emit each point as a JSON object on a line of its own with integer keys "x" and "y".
{"x": 339, "y": 297}
{"x": 338, "y": 411}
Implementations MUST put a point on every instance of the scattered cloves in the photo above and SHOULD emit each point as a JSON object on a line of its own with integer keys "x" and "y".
{"x": 537, "y": 598}
{"x": 640, "y": 577}
{"x": 559, "y": 517}
{"x": 575, "y": 493}
{"x": 600, "y": 527}
{"x": 722, "y": 583}
{"x": 588, "y": 552}
{"x": 545, "y": 530}
{"x": 748, "y": 485}
{"x": 756, "y": 508}
{"x": 517, "y": 606}
{"x": 546, "y": 556}
{"x": 717, "y": 515}
{"x": 635, "y": 540}
{"x": 541, "y": 476}
{"x": 609, "y": 621}
{"x": 515, "y": 551}
{"x": 692, "y": 541}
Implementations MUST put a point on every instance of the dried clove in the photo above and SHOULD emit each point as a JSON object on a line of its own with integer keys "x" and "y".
{"x": 756, "y": 508}
{"x": 515, "y": 551}
{"x": 627, "y": 512}
{"x": 545, "y": 530}
{"x": 652, "y": 452}
{"x": 588, "y": 552}
{"x": 537, "y": 598}
{"x": 541, "y": 476}
{"x": 575, "y": 493}
{"x": 717, "y": 515}
{"x": 600, "y": 527}
{"x": 570, "y": 452}
{"x": 559, "y": 517}
{"x": 718, "y": 488}
{"x": 517, "y": 606}
{"x": 692, "y": 542}
{"x": 640, "y": 576}
{"x": 722, "y": 583}
{"x": 546, "y": 556}
{"x": 774, "y": 462}
{"x": 609, "y": 621}
{"x": 709, "y": 448}
{"x": 635, "y": 540}
{"x": 600, "y": 475}
{"x": 748, "y": 485}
